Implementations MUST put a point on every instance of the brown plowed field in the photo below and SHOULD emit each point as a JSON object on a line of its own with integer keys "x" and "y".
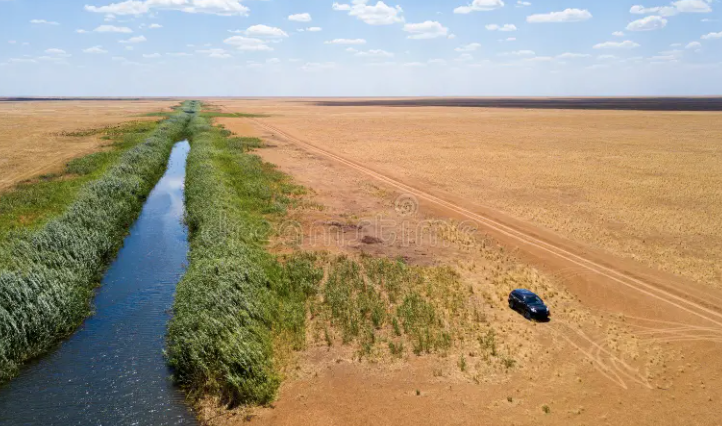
{"x": 33, "y": 134}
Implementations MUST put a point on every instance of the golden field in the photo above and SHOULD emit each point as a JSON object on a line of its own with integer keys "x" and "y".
{"x": 641, "y": 185}
{"x": 34, "y": 136}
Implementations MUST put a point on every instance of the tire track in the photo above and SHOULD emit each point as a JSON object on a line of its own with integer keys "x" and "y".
{"x": 619, "y": 277}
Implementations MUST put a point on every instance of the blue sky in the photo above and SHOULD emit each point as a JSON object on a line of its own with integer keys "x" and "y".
{"x": 360, "y": 47}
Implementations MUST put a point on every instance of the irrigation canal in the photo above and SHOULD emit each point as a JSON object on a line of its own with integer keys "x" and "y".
{"x": 112, "y": 370}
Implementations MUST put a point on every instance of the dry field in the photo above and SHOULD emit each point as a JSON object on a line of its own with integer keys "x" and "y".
{"x": 639, "y": 185}
{"x": 608, "y": 356}
{"x": 31, "y": 140}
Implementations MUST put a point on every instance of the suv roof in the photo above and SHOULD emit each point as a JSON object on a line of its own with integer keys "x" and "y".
{"x": 522, "y": 291}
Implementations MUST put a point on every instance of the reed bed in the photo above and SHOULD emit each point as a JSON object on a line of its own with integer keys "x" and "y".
{"x": 235, "y": 296}
{"x": 48, "y": 279}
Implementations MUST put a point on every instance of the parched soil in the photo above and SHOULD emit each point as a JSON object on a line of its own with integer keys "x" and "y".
{"x": 611, "y": 354}
{"x": 644, "y": 186}
{"x": 40, "y": 137}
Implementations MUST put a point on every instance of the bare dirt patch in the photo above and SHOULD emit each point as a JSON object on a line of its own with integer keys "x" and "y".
{"x": 40, "y": 137}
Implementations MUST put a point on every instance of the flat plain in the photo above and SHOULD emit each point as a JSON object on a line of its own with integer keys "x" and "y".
{"x": 642, "y": 185}
{"x": 39, "y": 137}
{"x": 639, "y": 188}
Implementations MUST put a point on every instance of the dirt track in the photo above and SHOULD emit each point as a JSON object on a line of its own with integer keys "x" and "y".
{"x": 557, "y": 255}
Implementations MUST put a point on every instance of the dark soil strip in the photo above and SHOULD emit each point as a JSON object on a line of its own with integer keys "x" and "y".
{"x": 624, "y": 104}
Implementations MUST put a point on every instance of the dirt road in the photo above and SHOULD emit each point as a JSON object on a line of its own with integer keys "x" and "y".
{"x": 599, "y": 272}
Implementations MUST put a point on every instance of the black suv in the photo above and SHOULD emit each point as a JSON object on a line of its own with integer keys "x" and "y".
{"x": 529, "y": 304}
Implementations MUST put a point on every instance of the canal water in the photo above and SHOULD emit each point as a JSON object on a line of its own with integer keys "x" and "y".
{"x": 112, "y": 370}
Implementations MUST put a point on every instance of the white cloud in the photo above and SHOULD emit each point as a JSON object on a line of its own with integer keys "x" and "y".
{"x": 132, "y": 40}
{"x": 151, "y": 55}
{"x": 509, "y": 39}
{"x": 712, "y": 36}
{"x": 505, "y": 27}
{"x": 520, "y": 3}
{"x": 648, "y": 23}
{"x": 248, "y": 44}
{"x": 354, "y": 41}
{"x": 58, "y": 52}
{"x": 43, "y": 22}
{"x": 380, "y": 14}
{"x": 468, "y": 47}
{"x": 627, "y": 44}
{"x": 437, "y": 62}
{"x": 618, "y": 34}
{"x": 681, "y": 6}
{"x": 300, "y": 17}
{"x": 606, "y": 57}
{"x": 318, "y": 66}
{"x": 178, "y": 54}
{"x": 314, "y": 29}
{"x": 95, "y": 50}
{"x": 341, "y": 7}
{"x": 112, "y": 29}
{"x": 693, "y": 45}
{"x": 81, "y": 31}
{"x": 375, "y": 53}
{"x": 567, "y": 15}
{"x": 273, "y": 61}
{"x": 215, "y": 53}
{"x": 480, "y": 6}
{"x": 570, "y": 55}
{"x": 660, "y": 10}
{"x": 155, "y": 26}
{"x": 263, "y": 31}
{"x": 519, "y": 53}
{"x": 539, "y": 59}
{"x": 464, "y": 57}
{"x": 22, "y": 61}
{"x": 693, "y": 6}
{"x": 426, "y": 30}
{"x": 138, "y": 7}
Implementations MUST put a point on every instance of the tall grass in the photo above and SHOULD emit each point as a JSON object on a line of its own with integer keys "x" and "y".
{"x": 48, "y": 280}
{"x": 235, "y": 297}
{"x": 31, "y": 204}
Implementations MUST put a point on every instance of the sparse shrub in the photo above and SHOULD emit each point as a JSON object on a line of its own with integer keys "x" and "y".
{"x": 462, "y": 363}
{"x": 396, "y": 349}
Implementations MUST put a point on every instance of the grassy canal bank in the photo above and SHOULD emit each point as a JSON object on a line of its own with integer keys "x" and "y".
{"x": 240, "y": 311}
{"x": 58, "y": 234}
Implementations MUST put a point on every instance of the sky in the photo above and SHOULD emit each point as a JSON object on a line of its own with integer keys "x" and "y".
{"x": 360, "y": 47}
